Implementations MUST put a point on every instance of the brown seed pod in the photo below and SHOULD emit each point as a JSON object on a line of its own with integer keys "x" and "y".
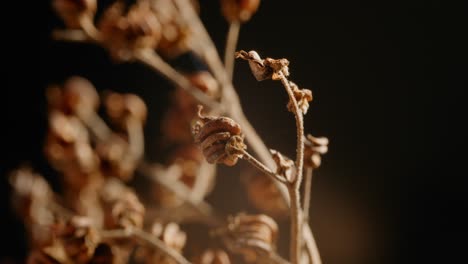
{"x": 239, "y": 10}
{"x": 252, "y": 236}
{"x": 122, "y": 208}
{"x": 80, "y": 97}
{"x": 116, "y": 160}
{"x": 124, "y": 34}
{"x": 213, "y": 256}
{"x": 121, "y": 107}
{"x": 73, "y": 11}
{"x": 213, "y": 135}
{"x": 264, "y": 69}
{"x": 79, "y": 238}
{"x": 284, "y": 165}
{"x": 314, "y": 148}
{"x": 302, "y": 96}
{"x": 171, "y": 235}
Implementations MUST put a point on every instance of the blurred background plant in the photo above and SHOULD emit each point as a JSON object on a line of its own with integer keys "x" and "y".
{"x": 350, "y": 56}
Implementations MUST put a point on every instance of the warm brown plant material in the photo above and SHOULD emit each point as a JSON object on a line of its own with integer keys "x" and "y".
{"x": 99, "y": 218}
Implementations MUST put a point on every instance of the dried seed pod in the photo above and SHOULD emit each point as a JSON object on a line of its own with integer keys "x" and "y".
{"x": 239, "y": 10}
{"x": 122, "y": 208}
{"x": 263, "y": 69}
{"x": 175, "y": 33}
{"x": 302, "y": 96}
{"x": 121, "y": 107}
{"x": 264, "y": 194}
{"x": 213, "y": 256}
{"x": 213, "y": 135}
{"x": 204, "y": 81}
{"x": 79, "y": 238}
{"x": 252, "y": 236}
{"x": 124, "y": 34}
{"x": 73, "y": 11}
{"x": 171, "y": 235}
{"x": 284, "y": 165}
{"x": 314, "y": 148}
{"x": 80, "y": 97}
{"x": 116, "y": 158}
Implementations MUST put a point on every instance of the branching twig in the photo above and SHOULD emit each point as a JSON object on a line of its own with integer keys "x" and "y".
{"x": 246, "y": 156}
{"x": 152, "y": 240}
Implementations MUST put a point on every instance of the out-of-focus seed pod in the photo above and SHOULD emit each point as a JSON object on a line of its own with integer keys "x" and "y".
{"x": 171, "y": 235}
{"x": 115, "y": 158}
{"x": 213, "y": 256}
{"x": 73, "y": 11}
{"x": 264, "y": 195}
{"x": 122, "y": 107}
{"x": 213, "y": 135}
{"x": 80, "y": 97}
{"x": 314, "y": 148}
{"x": 252, "y": 236}
{"x": 122, "y": 208}
{"x": 124, "y": 34}
{"x": 239, "y": 10}
{"x": 79, "y": 238}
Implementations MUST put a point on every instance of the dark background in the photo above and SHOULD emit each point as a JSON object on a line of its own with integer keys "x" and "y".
{"x": 375, "y": 198}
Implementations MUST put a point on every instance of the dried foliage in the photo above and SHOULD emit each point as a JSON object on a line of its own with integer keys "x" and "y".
{"x": 99, "y": 217}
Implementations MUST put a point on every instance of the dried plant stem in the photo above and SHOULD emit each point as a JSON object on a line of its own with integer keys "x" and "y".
{"x": 152, "y": 240}
{"x": 136, "y": 138}
{"x": 246, "y": 156}
{"x": 153, "y": 60}
{"x": 231, "y": 43}
{"x": 293, "y": 188}
{"x": 307, "y": 191}
{"x": 295, "y": 242}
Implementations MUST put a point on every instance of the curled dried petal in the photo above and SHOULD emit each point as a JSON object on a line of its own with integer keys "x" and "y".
{"x": 285, "y": 166}
{"x": 263, "y": 69}
{"x": 302, "y": 96}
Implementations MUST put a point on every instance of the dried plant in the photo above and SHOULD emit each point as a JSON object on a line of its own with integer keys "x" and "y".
{"x": 99, "y": 218}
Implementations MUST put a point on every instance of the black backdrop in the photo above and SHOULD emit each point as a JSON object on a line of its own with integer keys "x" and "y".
{"x": 367, "y": 64}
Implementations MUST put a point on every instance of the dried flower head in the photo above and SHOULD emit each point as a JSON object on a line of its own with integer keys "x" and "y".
{"x": 263, "y": 69}
{"x": 284, "y": 165}
{"x": 74, "y": 11}
{"x": 122, "y": 107}
{"x": 214, "y": 135}
{"x": 239, "y": 10}
{"x": 79, "y": 239}
{"x": 252, "y": 236}
{"x": 213, "y": 256}
{"x": 123, "y": 34}
{"x": 303, "y": 97}
{"x": 314, "y": 148}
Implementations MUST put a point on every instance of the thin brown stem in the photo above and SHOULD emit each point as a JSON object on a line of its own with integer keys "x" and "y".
{"x": 153, "y": 60}
{"x": 257, "y": 164}
{"x": 307, "y": 191}
{"x": 136, "y": 138}
{"x": 296, "y": 218}
{"x": 148, "y": 238}
{"x": 231, "y": 43}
